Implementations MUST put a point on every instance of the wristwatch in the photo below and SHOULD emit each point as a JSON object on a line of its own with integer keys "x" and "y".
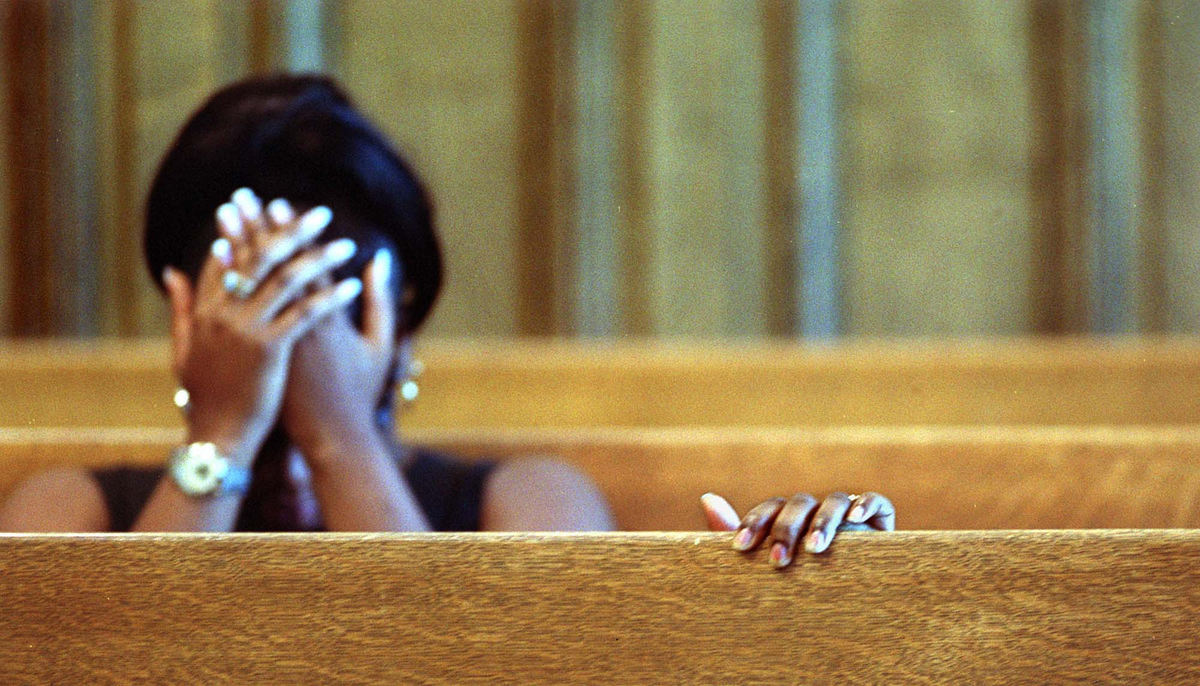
{"x": 199, "y": 469}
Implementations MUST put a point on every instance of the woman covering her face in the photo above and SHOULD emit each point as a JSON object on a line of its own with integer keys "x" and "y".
{"x": 298, "y": 253}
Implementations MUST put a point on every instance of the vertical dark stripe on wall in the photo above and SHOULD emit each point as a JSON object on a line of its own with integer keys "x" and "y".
{"x": 26, "y": 35}
{"x": 263, "y": 35}
{"x": 783, "y": 308}
{"x": 536, "y": 245}
{"x": 1056, "y": 69}
{"x": 127, "y": 199}
{"x": 1114, "y": 169}
{"x": 817, "y": 182}
{"x": 594, "y": 225}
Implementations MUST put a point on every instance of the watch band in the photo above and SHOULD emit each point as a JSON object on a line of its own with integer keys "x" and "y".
{"x": 199, "y": 469}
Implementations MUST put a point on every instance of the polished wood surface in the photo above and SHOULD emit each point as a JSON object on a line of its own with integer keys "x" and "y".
{"x": 783, "y": 384}
{"x": 939, "y": 478}
{"x": 908, "y": 607}
{"x": 646, "y": 383}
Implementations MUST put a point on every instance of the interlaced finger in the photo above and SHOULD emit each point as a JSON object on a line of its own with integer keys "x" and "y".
{"x": 299, "y": 275}
{"x": 379, "y": 312}
{"x": 252, "y": 227}
{"x": 217, "y": 262}
{"x": 275, "y": 248}
{"x": 281, "y": 214}
{"x": 302, "y": 315}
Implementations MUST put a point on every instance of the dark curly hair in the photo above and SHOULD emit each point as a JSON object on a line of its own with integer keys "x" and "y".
{"x": 300, "y": 138}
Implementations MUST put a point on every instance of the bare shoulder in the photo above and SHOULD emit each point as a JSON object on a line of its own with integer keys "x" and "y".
{"x": 543, "y": 494}
{"x": 66, "y": 499}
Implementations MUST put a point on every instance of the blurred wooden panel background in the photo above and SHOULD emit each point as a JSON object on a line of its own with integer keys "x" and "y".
{"x": 641, "y": 168}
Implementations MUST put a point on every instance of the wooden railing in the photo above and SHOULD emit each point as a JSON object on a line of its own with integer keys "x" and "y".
{"x": 661, "y": 608}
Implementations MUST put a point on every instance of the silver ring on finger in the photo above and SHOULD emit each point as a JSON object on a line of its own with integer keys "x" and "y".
{"x": 238, "y": 285}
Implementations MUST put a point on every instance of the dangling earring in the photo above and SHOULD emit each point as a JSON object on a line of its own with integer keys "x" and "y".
{"x": 182, "y": 400}
{"x": 409, "y": 390}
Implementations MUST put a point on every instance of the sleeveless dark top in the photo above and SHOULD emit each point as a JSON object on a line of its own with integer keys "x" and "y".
{"x": 449, "y": 491}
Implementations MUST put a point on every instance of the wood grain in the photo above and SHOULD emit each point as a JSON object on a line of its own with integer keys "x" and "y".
{"x": 964, "y": 607}
{"x": 939, "y": 478}
{"x": 506, "y": 383}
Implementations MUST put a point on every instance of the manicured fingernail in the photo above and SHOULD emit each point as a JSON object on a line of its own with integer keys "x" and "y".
{"x": 222, "y": 251}
{"x": 383, "y": 267}
{"x": 341, "y": 249}
{"x": 815, "y": 542}
{"x": 349, "y": 289}
{"x": 315, "y": 219}
{"x": 779, "y": 555}
{"x": 229, "y": 217}
{"x": 247, "y": 202}
{"x": 280, "y": 211}
{"x": 856, "y": 513}
{"x": 741, "y": 541}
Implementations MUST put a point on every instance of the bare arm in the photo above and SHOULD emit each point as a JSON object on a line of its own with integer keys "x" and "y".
{"x": 170, "y": 510}
{"x": 329, "y": 410}
{"x": 232, "y": 350}
{"x": 60, "y": 500}
{"x": 360, "y": 489}
{"x": 70, "y": 499}
{"x": 540, "y": 494}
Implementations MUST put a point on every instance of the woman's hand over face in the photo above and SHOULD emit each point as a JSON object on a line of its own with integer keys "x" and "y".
{"x": 339, "y": 373}
{"x": 234, "y": 330}
{"x": 801, "y": 519}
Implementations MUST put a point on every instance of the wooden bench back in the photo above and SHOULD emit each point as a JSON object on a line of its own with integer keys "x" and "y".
{"x": 579, "y": 384}
{"x": 908, "y": 607}
{"x": 939, "y": 478}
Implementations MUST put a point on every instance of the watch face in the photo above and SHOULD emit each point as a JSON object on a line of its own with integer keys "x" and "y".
{"x": 200, "y": 470}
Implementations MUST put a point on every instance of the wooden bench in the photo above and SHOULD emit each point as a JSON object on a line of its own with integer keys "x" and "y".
{"x": 564, "y": 384}
{"x": 662, "y": 608}
{"x": 939, "y": 477}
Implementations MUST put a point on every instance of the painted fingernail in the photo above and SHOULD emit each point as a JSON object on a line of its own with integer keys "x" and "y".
{"x": 856, "y": 513}
{"x": 741, "y": 540}
{"x": 815, "y": 542}
{"x": 280, "y": 211}
{"x": 316, "y": 219}
{"x": 247, "y": 202}
{"x": 341, "y": 249}
{"x": 383, "y": 267}
{"x": 349, "y": 289}
{"x": 222, "y": 251}
{"x": 229, "y": 217}
{"x": 779, "y": 555}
